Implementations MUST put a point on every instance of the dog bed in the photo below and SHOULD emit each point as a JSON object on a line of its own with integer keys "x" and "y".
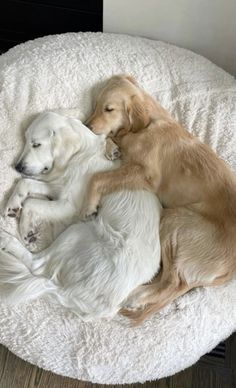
{"x": 61, "y": 71}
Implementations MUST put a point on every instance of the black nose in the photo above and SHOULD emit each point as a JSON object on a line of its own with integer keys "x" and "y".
{"x": 19, "y": 167}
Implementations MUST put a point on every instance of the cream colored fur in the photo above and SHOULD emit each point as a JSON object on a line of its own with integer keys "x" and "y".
{"x": 197, "y": 189}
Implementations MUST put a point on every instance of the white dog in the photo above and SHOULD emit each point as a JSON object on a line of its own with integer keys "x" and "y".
{"x": 91, "y": 267}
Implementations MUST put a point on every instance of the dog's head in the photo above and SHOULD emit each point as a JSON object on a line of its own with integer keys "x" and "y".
{"x": 49, "y": 142}
{"x": 121, "y": 104}
{"x": 37, "y": 156}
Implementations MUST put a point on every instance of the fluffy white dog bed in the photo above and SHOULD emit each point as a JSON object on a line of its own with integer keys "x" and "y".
{"x": 60, "y": 71}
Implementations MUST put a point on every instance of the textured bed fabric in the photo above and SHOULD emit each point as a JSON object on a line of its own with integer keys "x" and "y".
{"x": 60, "y": 72}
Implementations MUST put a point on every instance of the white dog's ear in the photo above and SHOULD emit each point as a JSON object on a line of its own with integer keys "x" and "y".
{"x": 137, "y": 114}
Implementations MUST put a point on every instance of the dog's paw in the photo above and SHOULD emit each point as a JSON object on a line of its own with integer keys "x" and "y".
{"x": 31, "y": 237}
{"x": 136, "y": 301}
{"x": 14, "y": 206}
{"x": 30, "y": 226}
{"x": 31, "y": 240}
{"x": 113, "y": 154}
{"x": 112, "y": 150}
{"x": 131, "y": 304}
{"x": 35, "y": 240}
{"x": 89, "y": 214}
{"x": 35, "y": 232}
{"x": 13, "y": 212}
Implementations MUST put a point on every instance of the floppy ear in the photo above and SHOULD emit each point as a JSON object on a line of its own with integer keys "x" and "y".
{"x": 131, "y": 79}
{"x": 128, "y": 77}
{"x": 137, "y": 114}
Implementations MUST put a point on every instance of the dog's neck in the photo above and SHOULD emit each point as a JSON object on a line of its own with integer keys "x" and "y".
{"x": 70, "y": 143}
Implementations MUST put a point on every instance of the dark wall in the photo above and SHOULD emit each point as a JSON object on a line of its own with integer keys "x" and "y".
{"x": 21, "y": 20}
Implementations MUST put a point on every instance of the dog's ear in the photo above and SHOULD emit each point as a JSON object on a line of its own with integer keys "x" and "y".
{"x": 127, "y": 77}
{"x": 131, "y": 79}
{"x": 137, "y": 114}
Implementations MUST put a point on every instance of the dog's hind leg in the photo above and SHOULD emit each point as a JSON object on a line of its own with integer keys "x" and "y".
{"x": 151, "y": 298}
{"x": 42, "y": 221}
{"x": 13, "y": 246}
{"x": 25, "y": 188}
{"x": 191, "y": 257}
{"x": 168, "y": 284}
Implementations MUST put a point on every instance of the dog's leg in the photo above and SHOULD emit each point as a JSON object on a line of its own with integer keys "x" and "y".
{"x": 42, "y": 221}
{"x": 127, "y": 177}
{"x": 23, "y": 189}
{"x": 164, "y": 289}
{"x": 183, "y": 234}
{"x": 13, "y": 246}
{"x": 151, "y": 298}
{"x": 112, "y": 150}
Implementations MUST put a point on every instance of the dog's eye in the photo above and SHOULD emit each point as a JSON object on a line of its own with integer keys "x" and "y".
{"x": 107, "y": 109}
{"x": 36, "y": 145}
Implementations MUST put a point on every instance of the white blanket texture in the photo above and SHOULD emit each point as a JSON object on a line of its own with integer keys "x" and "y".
{"x": 60, "y": 72}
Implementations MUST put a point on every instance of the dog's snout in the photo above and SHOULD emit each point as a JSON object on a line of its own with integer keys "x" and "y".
{"x": 19, "y": 167}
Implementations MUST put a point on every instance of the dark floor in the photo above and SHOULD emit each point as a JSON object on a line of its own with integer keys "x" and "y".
{"x": 218, "y": 370}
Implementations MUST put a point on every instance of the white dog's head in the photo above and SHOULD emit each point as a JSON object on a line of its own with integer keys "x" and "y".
{"x": 50, "y": 141}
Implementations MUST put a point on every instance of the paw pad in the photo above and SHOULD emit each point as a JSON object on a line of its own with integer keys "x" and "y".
{"x": 13, "y": 212}
{"x": 31, "y": 237}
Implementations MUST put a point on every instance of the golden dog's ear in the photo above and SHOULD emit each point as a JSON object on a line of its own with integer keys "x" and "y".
{"x": 127, "y": 77}
{"x": 131, "y": 79}
{"x": 137, "y": 114}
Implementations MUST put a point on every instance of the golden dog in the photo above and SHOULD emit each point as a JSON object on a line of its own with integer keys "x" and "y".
{"x": 196, "y": 188}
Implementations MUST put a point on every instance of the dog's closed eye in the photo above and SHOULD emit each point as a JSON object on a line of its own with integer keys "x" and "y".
{"x": 108, "y": 109}
{"x": 36, "y": 145}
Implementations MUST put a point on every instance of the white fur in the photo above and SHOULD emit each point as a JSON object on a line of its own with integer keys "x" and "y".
{"x": 91, "y": 267}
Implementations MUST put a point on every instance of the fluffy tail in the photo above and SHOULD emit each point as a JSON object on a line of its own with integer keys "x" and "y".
{"x": 18, "y": 284}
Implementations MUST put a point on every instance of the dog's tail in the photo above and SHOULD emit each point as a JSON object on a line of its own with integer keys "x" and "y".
{"x": 18, "y": 284}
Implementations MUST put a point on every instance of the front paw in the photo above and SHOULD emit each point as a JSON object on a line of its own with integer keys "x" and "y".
{"x": 112, "y": 150}
{"x": 113, "y": 154}
{"x": 89, "y": 214}
{"x": 14, "y": 206}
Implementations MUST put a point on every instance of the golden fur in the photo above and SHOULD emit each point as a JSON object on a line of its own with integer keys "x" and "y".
{"x": 196, "y": 188}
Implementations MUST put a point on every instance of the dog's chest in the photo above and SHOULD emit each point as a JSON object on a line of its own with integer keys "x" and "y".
{"x": 68, "y": 184}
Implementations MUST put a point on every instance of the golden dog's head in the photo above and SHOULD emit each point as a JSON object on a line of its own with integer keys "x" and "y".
{"x": 121, "y": 104}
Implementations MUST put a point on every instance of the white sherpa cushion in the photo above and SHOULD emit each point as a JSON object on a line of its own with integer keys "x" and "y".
{"x": 60, "y": 71}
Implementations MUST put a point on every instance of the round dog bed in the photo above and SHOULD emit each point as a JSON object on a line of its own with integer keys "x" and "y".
{"x": 60, "y": 72}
